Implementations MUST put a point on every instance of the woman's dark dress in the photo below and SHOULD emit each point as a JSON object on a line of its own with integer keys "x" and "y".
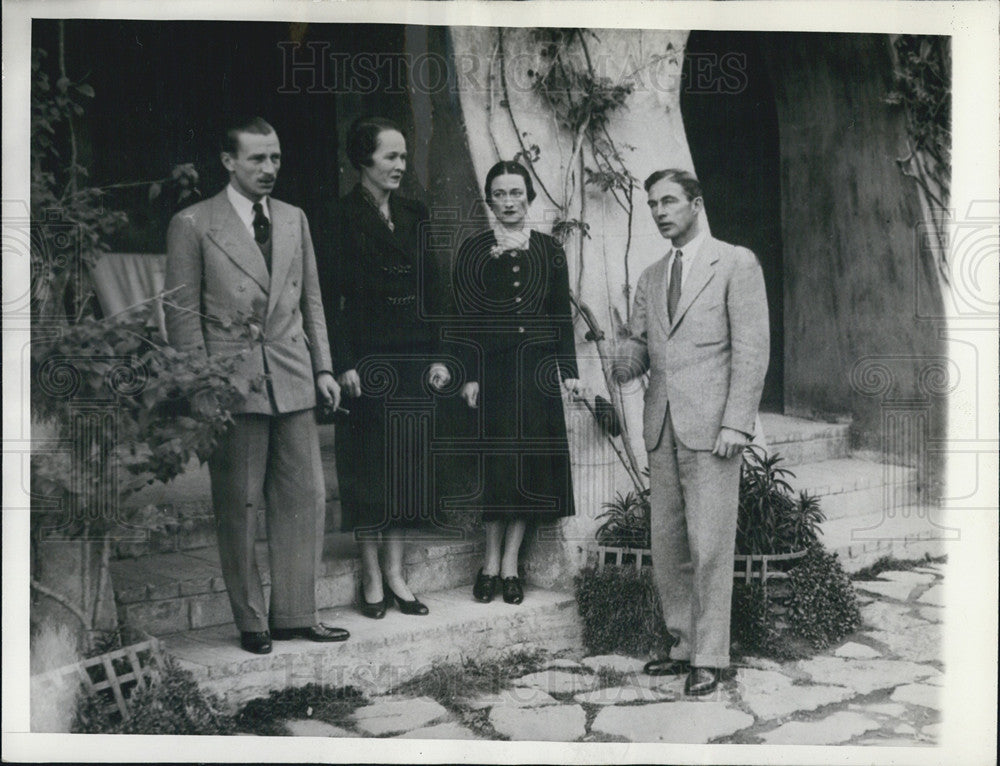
{"x": 373, "y": 286}
{"x": 513, "y": 312}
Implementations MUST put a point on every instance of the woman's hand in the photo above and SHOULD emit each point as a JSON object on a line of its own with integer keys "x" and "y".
{"x": 351, "y": 383}
{"x": 438, "y": 376}
{"x": 470, "y": 393}
{"x": 572, "y": 386}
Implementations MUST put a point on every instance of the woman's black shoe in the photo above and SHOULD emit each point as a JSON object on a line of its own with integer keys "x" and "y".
{"x": 406, "y": 607}
{"x": 513, "y": 593}
{"x": 374, "y": 610}
{"x": 485, "y": 587}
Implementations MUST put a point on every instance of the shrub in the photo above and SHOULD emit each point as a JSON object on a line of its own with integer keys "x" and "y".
{"x": 173, "y": 705}
{"x": 822, "y": 607}
{"x": 621, "y": 611}
{"x": 266, "y": 715}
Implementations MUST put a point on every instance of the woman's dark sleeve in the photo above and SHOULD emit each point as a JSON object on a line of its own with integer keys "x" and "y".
{"x": 559, "y": 309}
{"x": 463, "y": 351}
{"x": 336, "y": 274}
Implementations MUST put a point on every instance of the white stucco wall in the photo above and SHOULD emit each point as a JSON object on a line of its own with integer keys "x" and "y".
{"x": 650, "y": 134}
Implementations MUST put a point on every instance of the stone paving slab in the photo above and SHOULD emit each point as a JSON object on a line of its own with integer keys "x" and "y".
{"x": 900, "y": 591}
{"x": 891, "y": 617}
{"x": 918, "y": 694}
{"x": 892, "y": 709}
{"x": 770, "y": 694}
{"x": 388, "y": 715}
{"x": 832, "y": 730}
{"x": 921, "y": 644}
{"x": 306, "y": 727}
{"x": 910, "y": 577}
{"x": 864, "y": 676}
{"x": 562, "y": 663}
{"x": 519, "y": 696}
{"x": 854, "y": 650}
{"x": 449, "y": 730}
{"x": 614, "y": 662}
{"x": 679, "y": 722}
{"x": 558, "y": 681}
{"x": 620, "y": 695}
{"x": 557, "y": 723}
{"x": 934, "y": 596}
{"x": 931, "y": 613}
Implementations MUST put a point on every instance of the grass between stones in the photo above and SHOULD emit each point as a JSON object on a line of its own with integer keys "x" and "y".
{"x": 888, "y": 563}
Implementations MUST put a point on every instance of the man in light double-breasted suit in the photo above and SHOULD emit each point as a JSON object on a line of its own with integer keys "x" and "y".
{"x": 242, "y": 273}
{"x": 700, "y": 327}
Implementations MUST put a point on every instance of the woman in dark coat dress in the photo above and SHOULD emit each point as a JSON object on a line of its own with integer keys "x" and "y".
{"x": 383, "y": 350}
{"x": 513, "y": 283}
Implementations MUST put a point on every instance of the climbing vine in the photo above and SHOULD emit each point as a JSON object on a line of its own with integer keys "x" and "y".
{"x": 922, "y": 76}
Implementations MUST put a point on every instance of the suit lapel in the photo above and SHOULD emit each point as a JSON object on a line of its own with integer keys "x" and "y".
{"x": 373, "y": 225}
{"x": 229, "y": 233}
{"x": 701, "y": 274}
{"x": 660, "y": 291}
{"x": 282, "y": 222}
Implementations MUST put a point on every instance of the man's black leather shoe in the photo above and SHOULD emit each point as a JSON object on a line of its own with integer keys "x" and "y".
{"x": 258, "y": 643}
{"x": 319, "y": 632}
{"x": 666, "y": 667}
{"x": 702, "y": 681}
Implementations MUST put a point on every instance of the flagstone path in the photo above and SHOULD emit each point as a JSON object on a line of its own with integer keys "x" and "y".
{"x": 881, "y": 686}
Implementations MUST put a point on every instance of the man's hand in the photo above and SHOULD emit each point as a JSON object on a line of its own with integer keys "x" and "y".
{"x": 730, "y": 442}
{"x": 438, "y": 376}
{"x": 470, "y": 393}
{"x": 328, "y": 389}
{"x": 351, "y": 383}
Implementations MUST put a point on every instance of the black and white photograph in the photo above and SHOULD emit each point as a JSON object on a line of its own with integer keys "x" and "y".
{"x": 422, "y": 382}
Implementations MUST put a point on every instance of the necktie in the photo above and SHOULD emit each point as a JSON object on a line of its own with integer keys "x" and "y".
{"x": 262, "y": 232}
{"x": 674, "y": 291}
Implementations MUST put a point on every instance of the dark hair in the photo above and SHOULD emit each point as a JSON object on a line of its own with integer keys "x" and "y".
{"x": 513, "y": 169}
{"x": 230, "y": 136}
{"x": 362, "y": 139}
{"x": 684, "y": 179}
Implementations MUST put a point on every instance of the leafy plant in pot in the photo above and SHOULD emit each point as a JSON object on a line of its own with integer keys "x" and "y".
{"x": 773, "y": 527}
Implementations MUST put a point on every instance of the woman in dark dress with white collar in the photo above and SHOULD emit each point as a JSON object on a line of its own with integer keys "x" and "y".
{"x": 384, "y": 353}
{"x": 511, "y": 290}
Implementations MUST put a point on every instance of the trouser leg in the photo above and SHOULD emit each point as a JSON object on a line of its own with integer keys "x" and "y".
{"x": 668, "y": 542}
{"x": 711, "y": 497}
{"x": 295, "y": 494}
{"x": 237, "y": 471}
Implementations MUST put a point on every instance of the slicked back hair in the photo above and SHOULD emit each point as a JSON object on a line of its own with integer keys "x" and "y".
{"x": 684, "y": 179}
{"x": 230, "y": 136}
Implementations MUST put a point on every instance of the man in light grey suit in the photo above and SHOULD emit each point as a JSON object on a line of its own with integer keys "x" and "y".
{"x": 699, "y": 326}
{"x": 243, "y": 274}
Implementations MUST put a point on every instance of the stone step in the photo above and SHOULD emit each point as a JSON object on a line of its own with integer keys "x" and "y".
{"x": 188, "y": 499}
{"x": 801, "y": 441}
{"x": 381, "y": 654}
{"x": 907, "y": 532}
{"x": 171, "y": 592}
{"x": 851, "y": 487}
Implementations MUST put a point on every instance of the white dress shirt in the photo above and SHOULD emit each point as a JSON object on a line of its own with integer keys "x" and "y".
{"x": 244, "y": 209}
{"x": 689, "y": 254}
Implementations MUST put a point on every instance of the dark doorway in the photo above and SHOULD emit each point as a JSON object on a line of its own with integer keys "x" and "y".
{"x": 163, "y": 87}
{"x": 732, "y": 131}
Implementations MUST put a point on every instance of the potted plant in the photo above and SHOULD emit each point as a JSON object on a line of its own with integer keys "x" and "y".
{"x": 774, "y": 528}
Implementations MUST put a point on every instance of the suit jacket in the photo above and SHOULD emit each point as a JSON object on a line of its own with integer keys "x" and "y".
{"x": 708, "y": 365}
{"x": 226, "y": 302}
{"x": 379, "y": 286}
